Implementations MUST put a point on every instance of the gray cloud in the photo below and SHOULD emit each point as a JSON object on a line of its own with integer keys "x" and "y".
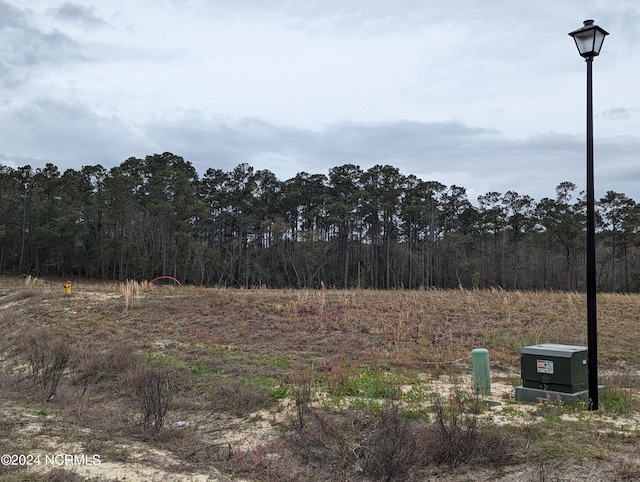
{"x": 619, "y": 113}
{"x": 24, "y": 47}
{"x": 10, "y": 16}
{"x": 77, "y": 13}
{"x": 478, "y": 95}
{"x": 478, "y": 159}
{"x": 68, "y": 134}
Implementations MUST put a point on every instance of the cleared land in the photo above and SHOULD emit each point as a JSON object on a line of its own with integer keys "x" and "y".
{"x": 185, "y": 383}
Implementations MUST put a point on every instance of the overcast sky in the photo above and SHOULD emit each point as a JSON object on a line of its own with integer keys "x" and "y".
{"x": 487, "y": 95}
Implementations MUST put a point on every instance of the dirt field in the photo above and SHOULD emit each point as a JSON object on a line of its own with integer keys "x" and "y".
{"x": 185, "y": 383}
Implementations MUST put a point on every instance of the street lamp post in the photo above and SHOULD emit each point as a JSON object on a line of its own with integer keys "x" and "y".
{"x": 589, "y": 39}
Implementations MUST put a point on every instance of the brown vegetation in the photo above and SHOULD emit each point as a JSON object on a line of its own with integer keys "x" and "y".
{"x": 286, "y": 385}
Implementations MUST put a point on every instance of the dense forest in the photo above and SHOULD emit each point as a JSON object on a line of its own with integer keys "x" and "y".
{"x": 349, "y": 229}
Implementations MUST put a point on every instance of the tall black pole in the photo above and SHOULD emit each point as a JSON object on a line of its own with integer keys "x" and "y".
{"x": 592, "y": 325}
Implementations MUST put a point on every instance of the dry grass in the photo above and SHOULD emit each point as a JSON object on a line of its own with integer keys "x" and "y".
{"x": 131, "y": 292}
{"x": 294, "y": 360}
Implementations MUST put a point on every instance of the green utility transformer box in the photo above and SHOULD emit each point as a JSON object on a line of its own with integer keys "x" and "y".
{"x": 551, "y": 371}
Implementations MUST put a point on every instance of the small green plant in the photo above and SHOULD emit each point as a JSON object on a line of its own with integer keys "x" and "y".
{"x": 205, "y": 389}
{"x": 373, "y": 384}
{"x": 342, "y": 379}
{"x": 277, "y": 362}
{"x": 418, "y": 394}
{"x": 373, "y": 405}
{"x": 510, "y": 410}
{"x": 559, "y": 406}
{"x": 157, "y": 360}
{"x": 279, "y": 392}
{"x": 619, "y": 400}
{"x": 259, "y": 380}
{"x": 201, "y": 369}
{"x": 416, "y": 413}
{"x": 43, "y": 412}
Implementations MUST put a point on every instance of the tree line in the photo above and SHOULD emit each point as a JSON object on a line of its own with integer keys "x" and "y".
{"x": 352, "y": 228}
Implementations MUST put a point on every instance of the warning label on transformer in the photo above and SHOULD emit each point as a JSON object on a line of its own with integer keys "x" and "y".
{"x": 545, "y": 366}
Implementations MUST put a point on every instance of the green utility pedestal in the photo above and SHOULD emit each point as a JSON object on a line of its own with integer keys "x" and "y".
{"x": 481, "y": 376}
{"x": 552, "y": 373}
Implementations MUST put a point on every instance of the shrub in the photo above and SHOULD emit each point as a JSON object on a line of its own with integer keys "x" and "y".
{"x": 389, "y": 451}
{"x": 239, "y": 399}
{"x": 153, "y": 393}
{"x": 46, "y": 355}
{"x": 257, "y": 459}
{"x": 62, "y": 475}
{"x": 302, "y": 395}
{"x": 455, "y": 436}
{"x": 95, "y": 366}
{"x": 327, "y": 439}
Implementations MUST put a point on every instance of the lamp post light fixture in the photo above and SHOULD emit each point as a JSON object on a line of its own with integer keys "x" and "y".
{"x": 589, "y": 39}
